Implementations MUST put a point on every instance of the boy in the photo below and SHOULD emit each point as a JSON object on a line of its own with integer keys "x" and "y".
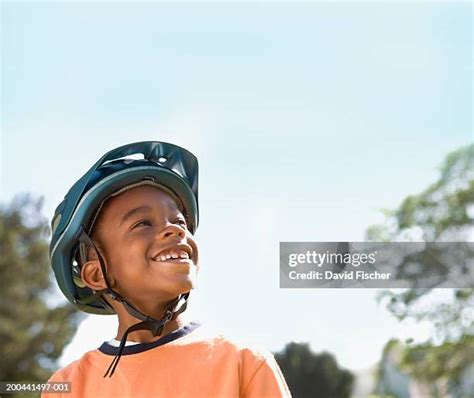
{"x": 123, "y": 244}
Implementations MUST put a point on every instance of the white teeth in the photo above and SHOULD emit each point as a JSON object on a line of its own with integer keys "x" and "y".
{"x": 173, "y": 255}
{"x": 183, "y": 255}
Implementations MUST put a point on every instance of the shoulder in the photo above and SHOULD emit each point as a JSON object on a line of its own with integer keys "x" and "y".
{"x": 217, "y": 341}
{"x": 259, "y": 373}
{"x": 68, "y": 373}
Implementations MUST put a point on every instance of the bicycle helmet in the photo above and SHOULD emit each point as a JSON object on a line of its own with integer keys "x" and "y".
{"x": 167, "y": 166}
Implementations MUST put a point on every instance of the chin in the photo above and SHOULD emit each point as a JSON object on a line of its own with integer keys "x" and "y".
{"x": 184, "y": 285}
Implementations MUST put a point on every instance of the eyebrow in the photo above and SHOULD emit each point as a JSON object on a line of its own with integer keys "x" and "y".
{"x": 131, "y": 213}
{"x": 172, "y": 206}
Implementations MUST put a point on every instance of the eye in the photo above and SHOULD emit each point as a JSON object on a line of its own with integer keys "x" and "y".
{"x": 141, "y": 224}
{"x": 182, "y": 222}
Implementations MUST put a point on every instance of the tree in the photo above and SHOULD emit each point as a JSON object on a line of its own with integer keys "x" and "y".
{"x": 391, "y": 381}
{"x": 313, "y": 375}
{"x": 32, "y": 333}
{"x": 444, "y": 212}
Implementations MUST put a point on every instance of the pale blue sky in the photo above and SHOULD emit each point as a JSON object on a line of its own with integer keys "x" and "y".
{"x": 306, "y": 118}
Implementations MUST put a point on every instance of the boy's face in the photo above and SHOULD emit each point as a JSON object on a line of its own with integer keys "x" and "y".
{"x": 137, "y": 228}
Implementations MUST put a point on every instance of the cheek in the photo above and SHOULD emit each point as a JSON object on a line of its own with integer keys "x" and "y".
{"x": 127, "y": 258}
{"x": 194, "y": 246}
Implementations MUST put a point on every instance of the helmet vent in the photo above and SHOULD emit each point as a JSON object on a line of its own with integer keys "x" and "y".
{"x": 56, "y": 221}
{"x": 128, "y": 159}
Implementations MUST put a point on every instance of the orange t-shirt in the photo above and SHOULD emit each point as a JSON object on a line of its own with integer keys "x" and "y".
{"x": 186, "y": 363}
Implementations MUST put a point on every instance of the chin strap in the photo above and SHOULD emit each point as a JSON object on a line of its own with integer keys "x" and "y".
{"x": 155, "y": 326}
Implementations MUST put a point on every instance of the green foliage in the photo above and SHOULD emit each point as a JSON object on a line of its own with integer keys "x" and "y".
{"x": 313, "y": 375}
{"x": 427, "y": 362}
{"x": 441, "y": 213}
{"x": 32, "y": 333}
{"x": 391, "y": 381}
{"x": 381, "y": 396}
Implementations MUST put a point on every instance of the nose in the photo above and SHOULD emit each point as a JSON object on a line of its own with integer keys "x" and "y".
{"x": 172, "y": 230}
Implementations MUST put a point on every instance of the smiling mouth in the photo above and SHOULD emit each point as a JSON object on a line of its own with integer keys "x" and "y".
{"x": 180, "y": 257}
{"x": 174, "y": 260}
{"x": 179, "y": 252}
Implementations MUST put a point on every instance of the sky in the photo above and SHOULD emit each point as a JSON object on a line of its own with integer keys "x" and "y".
{"x": 307, "y": 120}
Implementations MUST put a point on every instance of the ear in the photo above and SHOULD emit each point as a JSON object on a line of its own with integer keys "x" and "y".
{"x": 92, "y": 276}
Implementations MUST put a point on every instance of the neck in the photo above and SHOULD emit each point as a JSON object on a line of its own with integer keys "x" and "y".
{"x": 145, "y": 336}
